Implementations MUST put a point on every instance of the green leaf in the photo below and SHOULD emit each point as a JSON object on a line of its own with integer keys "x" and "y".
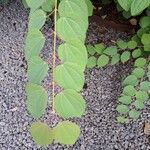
{"x": 69, "y": 104}
{"x": 25, "y": 4}
{"x": 36, "y": 99}
{"x": 132, "y": 44}
{"x": 115, "y": 59}
{"x": 37, "y": 70}
{"x": 111, "y": 51}
{"x": 91, "y": 49}
{"x": 69, "y": 76}
{"x": 122, "y": 119}
{"x": 91, "y": 62}
{"x": 137, "y": 39}
{"x": 145, "y": 86}
{"x": 102, "y": 61}
{"x": 125, "y": 99}
{"x": 146, "y": 41}
{"x": 34, "y": 43}
{"x": 129, "y": 90}
{"x": 136, "y": 53}
{"x": 125, "y": 4}
{"x": 134, "y": 114}
{"x": 66, "y": 132}
{"x": 48, "y": 5}
{"x": 125, "y": 56}
{"x": 130, "y": 80}
{"x": 69, "y": 29}
{"x": 74, "y": 9}
{"x": 37, "y": 19}
{"x": 89, "y": 6}
{"x": 142, "y": 31}
{"x": 142, "y": 95}
{"x": 73, "y": 13}
{"x": 145, "y": 21}
{"x": 122, "y": 109}
{"x": 139, "y": 104}
{"x": 138, "y": 72}
{"x": 34, "y": 4}
{"x": 122, "y": 44}
{"x": 99, "y": 48}
{"x": 74, "y": 53}
{"x": 140, "y": 62}
{"x": 41, "y": 133}
{"x": 138, "y": 6}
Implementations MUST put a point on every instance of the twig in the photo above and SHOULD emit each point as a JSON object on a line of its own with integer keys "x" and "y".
{"x": 54, "y": 53}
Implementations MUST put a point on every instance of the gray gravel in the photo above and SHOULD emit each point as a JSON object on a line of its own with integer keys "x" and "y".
{"x": 100, "y": 131}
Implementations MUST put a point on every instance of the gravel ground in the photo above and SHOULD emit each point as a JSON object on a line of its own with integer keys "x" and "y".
{"x": 103, "y": 86}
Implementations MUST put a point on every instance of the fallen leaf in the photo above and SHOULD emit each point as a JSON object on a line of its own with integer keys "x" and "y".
{"x": 133, "y": 21}
{"x": 14, "y": 109}
{"x": 147, "y": 129}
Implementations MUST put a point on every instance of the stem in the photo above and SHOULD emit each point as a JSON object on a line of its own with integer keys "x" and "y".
{"x": 54, "y": 53}
{"x": 50, "y": 13}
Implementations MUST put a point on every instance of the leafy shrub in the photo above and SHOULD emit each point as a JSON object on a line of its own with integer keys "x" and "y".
{"x": 134, "y": 6}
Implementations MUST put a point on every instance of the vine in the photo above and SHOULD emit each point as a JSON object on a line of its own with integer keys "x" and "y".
{"x": 70, "y": 25}
{"x": 135, "y": 92}
{"x": 54, "y": 52}
{"x": 71, "y": 28}
{"x": 136, "y": 85}
{"x": 101, "y": 56}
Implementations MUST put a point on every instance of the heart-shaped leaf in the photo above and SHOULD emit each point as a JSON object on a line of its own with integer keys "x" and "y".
{"x": 34, "y": 4}
{"x": 69, "y": 76}
{"x": 129, "y": 90}
{"x": 138, "y": 72}
{"x": 66, "y": 132}
{"x": 130, "y": 80}
{"x": 36, "y": 99}
{"x": 138, "y": 6}
{"x": 48, "y": 5}
{"x": 37, "y": 19}
{"x": 102, "y": 61}
{"x": 37, "y": 70}
{"x": 69, "y": 103}
{"x": 91, "y": 62}
{"x": 34, "y": 43}
{"x": 41, "y": 133}
{"x": 75, "y": 9}
{"x": 74, "y": 53}
{"x": 69, "y": 29}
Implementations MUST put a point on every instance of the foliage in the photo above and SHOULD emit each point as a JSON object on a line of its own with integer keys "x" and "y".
{"x": 135, "y": 7}
{"x": 71, "y": 28}
{"x": 135, "y": 87}
{"x": 71, "y": 24}
{"x": 100, "y": 55}
{"x": 135, "y": 92}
